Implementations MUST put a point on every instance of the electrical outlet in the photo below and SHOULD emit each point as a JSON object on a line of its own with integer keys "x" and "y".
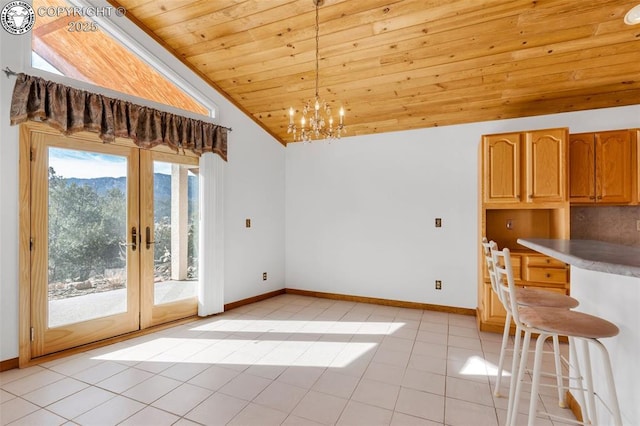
{"x": 264, "y": 276}
{"x": 438, "y": 285}
{"x": 438, "y": 222}
{"x": 247, "y": 223}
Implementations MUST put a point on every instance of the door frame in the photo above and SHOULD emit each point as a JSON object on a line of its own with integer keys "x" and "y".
{"x": 24, "y": 218}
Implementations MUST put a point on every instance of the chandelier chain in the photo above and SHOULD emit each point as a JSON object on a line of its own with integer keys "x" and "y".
{"x": 316, "y": 121}
{"x": 317, "y": 49}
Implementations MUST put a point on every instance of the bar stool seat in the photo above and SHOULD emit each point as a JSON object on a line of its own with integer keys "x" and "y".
{"x": 535, "y": 297}
{"x": 567, "y": 323}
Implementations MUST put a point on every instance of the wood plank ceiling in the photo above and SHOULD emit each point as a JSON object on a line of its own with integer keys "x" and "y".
{"x": 404, "y": 64}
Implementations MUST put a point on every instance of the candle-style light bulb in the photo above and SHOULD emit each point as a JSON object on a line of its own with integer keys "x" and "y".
{"x": 341, "y": 115}
{"x": 317, "y": 105}
{"x": 291, "y": 115}
{"x": 302, "y": 122}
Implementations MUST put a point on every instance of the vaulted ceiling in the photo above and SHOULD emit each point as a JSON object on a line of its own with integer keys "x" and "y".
{"x": 404, "y": 64}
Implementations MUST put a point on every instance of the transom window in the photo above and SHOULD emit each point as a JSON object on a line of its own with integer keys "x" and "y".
{"x": 78, "y": 48}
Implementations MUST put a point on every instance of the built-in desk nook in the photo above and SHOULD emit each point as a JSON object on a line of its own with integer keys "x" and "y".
{"x": 605, "y": 278}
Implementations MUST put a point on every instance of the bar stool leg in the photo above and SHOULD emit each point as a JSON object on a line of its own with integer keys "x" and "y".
{"x": 613, "y": 395}
{"x": 503, "y": 349}
{"x": 517, "y": 378}
{"x": 562, "y": 402}
{"x": 535, "y": 384}
{"x": 591, "y": 400}
{"x": 514, "y": 368}
{"x": 577, "y": 374}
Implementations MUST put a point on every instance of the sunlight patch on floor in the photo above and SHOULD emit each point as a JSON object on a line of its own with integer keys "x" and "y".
{"x": 478, "y": 366}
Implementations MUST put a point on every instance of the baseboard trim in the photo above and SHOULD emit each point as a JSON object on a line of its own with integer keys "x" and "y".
{"x": 9, "y": 364}
{"x": 385, "y": 302}
{"x": 573, "y": 405}
{"x": 249, "y": 300}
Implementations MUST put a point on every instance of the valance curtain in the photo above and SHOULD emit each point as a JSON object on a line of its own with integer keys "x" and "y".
{"x": 72, "y": 110}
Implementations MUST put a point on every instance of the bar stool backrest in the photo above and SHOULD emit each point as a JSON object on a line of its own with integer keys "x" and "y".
{"x": 487, "y": 246}
{"x": 505, "y": 280}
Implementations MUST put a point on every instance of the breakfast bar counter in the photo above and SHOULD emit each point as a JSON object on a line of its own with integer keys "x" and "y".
{"x": 589, "y": 254}
{"x": 605, "y": 278}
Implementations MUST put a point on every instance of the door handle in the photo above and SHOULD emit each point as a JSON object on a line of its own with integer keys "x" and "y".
{"x": 148, "y": 241}
{"x": 134, "y": 238}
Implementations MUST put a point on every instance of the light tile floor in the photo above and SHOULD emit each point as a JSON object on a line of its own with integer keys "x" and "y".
{"x": 288, "y": 360}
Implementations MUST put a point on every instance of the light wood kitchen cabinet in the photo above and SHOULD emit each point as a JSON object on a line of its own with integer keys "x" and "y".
{"x": 601, "y": 167}
{"x": 524, "y": 191}
{"x": 525, "y": 167}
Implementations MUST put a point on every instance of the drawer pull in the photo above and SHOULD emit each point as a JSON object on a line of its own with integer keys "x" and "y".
{"x": 548, "y": 275}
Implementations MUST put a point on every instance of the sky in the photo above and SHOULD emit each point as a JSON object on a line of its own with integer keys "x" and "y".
{"x": 70, "y": 163}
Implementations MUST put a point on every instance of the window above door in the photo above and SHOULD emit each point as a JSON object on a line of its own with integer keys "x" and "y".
{"x": 80, "y": 49}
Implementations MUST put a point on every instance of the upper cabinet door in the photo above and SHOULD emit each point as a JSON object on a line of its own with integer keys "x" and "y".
{"x": 502, "y": 168}
{"x": 582, "y": 163}
{"x": 613, "y": 167}
{"x": 546, "y": 165}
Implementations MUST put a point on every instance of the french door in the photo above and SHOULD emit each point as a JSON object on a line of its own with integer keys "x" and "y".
{"x": 169, "y": 225}
{"x": 113, "y": 240}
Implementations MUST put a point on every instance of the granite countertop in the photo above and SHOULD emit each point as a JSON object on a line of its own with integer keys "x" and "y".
{"x": 589, "y": 254}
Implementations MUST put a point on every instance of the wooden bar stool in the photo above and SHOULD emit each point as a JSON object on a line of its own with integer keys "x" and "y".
{"x": 553, "y": 322}
{"x": 524, "y": 297}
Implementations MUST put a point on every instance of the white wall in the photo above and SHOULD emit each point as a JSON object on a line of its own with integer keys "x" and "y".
{"x": 360, "y": 211}
{"x": 254, "y": 188}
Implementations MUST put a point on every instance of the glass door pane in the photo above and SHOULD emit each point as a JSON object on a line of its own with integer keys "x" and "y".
{"x": 175, "y": 202}
{"x": 87, "y": 270}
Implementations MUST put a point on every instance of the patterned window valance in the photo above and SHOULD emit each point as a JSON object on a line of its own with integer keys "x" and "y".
{"x": 72, "y": 110}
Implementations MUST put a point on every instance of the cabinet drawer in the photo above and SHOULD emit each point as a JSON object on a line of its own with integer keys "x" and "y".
{"x": 546, "y": 275}
{"x": 543, "y": 261}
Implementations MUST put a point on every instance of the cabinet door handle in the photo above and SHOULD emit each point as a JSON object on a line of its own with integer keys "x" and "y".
{"x": 599, "y": 197}
{"x": 548, "y": 275}
{"x": 592, "y": 197}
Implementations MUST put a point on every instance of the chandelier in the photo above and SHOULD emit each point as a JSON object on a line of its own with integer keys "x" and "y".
{"x": 316, "y": 121}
